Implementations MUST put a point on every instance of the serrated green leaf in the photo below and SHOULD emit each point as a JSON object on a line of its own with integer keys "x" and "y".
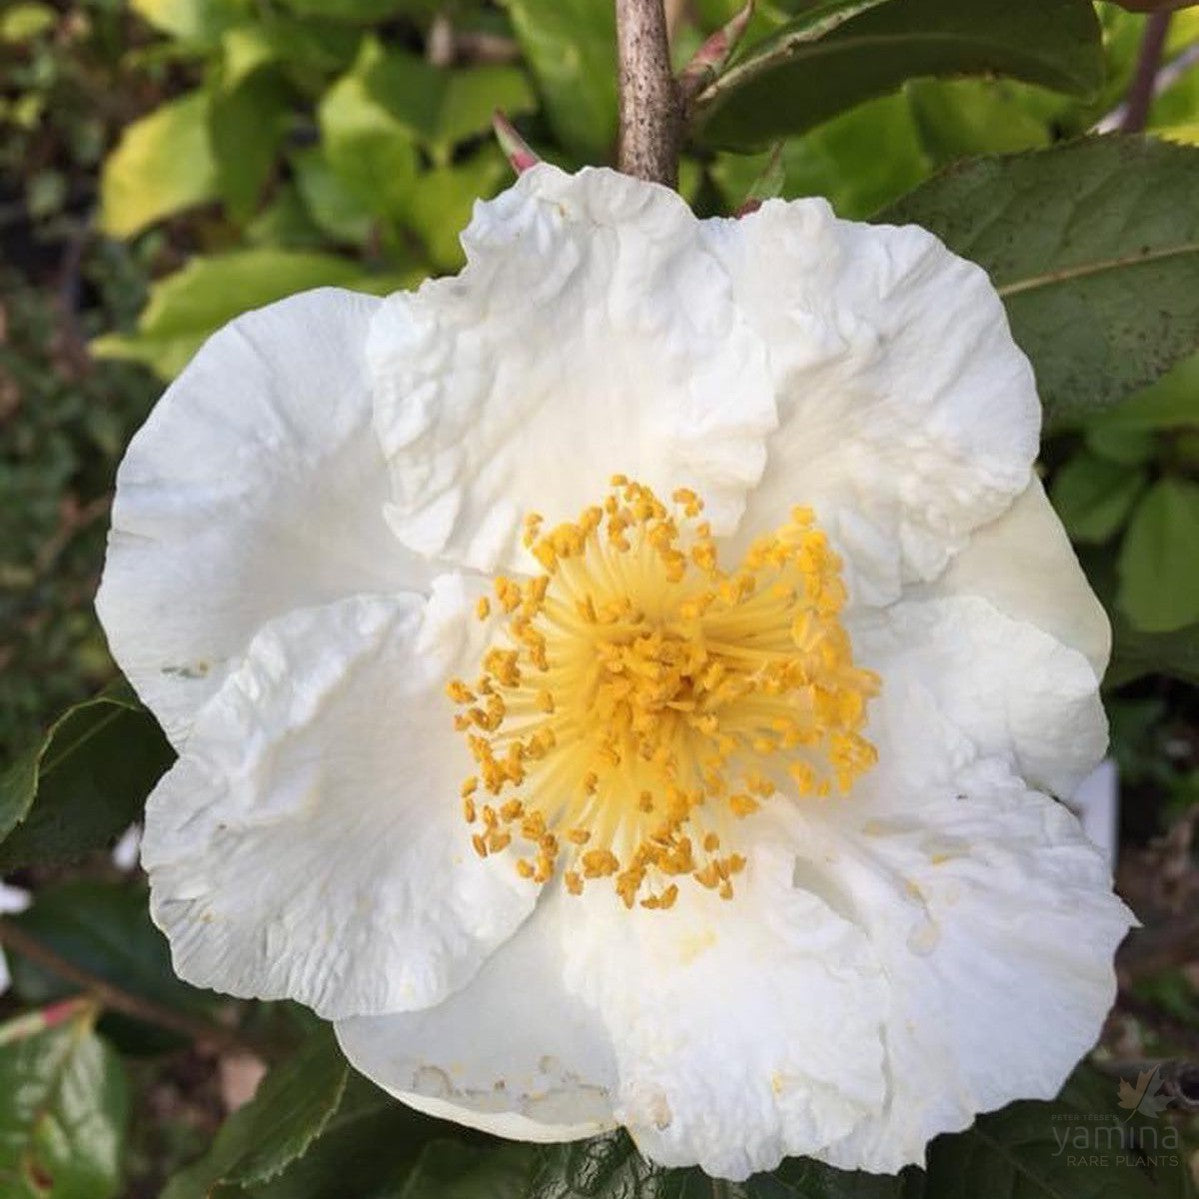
{"x": 843, "y": 52}
{"x": 1094, "y": 496}
{"x": 1159, "y": 560}
{"x": 188, "y": 306}
{"x": 449, "y": 1169}
{"x": 290, "y": 1109}
{"x": 801, "y": 1178}
{"x": 63, "y": 1110}
{"x": 83, "y": 783}
{"x": 163, "y": 164}
{"x": 1094, "y": 246}
{"x": 105, "y": 929}
{"x": 570, "y": 46}
{"x": 371, "y": 1137}
{"x": 609, "y": 1167}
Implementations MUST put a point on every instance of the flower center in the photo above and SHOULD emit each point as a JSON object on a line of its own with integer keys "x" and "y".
{"x": 641, "y": 701}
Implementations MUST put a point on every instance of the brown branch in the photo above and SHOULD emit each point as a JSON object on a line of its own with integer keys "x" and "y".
{"x": 651, "y": 119}
{"x": 1149, "y": 61}
{"x": 110, "y": 996}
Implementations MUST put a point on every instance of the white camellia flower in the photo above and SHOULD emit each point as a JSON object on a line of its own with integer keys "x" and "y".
{"x": 626, "y": 683}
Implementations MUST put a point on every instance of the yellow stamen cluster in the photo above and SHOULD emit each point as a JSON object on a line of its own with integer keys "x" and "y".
{"x": 641, "y": 700}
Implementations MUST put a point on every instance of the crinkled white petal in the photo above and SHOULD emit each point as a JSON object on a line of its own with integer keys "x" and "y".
{"x": 724, "y": 1034}
{"x": 513, "y": 1053}
{"x": 744, "y": 1031}
{"x": 1023, "y": 563}
{"x": 907, "y": 415}
{"x": 592, "y": 332}
{"x": 309, "y": 842}
{"x": 255, "y": 487}
{"x": 994, "y": 920}
{"x": 961, "y": 681}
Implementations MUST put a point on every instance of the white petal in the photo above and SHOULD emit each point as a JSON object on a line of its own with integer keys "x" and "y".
{"x": 255, "y": 487}
{"x": 960, "y": 681}
{"x": 309, "y": 842}
{"x": 745, "y": 1030}
{"x": 907, "y": 414}
{"x": 1024, "y": 564}
{"x": 513, "y": 1052}
{"x": 591, "y": 333}
{"x": 995, "y": 922}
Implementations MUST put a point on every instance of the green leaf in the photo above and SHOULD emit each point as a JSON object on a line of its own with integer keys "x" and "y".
{"x": 441, "y": 108}
{"x": 1094, "y": 496}
{"x": 287, "y": 222}
{"x": 196, "y": 21}
{"x": 24, "y": 22}
{"x": 440, "y": 205}
{"x": 63, "y": 1110}
{"x": 247, "y": 123}
{"x": 451, "y": 1170}
{"x": 571, "y": 47}
{"x": 83, "y": 783}
{"x": 470, "y": 97}
{"x": 1136, "y": 653}
{"x": 186, "y": 307}
{"x": 368, "y": 149}
{"x": 1129, "y": 447}
{"x": 802, "y": 1178}
{"x": 961, "y": 117}
{"x": 162, "y": 165}
{"x": 308, "y": 49}
{"x": 609, "y": 1167}
{"x": 845, "y": 51}
{"x": 1171, "y": 403}
{"x": 371, "y": 1137}
{"x": 1029, "y": 1151}
{"x": 361, "y": 11}
{"x": 858, "y": 161}
{"x": 330, "y": 201}
{"x": 1094, "y": 247}
{"x": 245, "y": 50}
{"x": 291, "y": 1108}
{"x": 105, "y": 929}
{"x": 1159, "y": 560}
